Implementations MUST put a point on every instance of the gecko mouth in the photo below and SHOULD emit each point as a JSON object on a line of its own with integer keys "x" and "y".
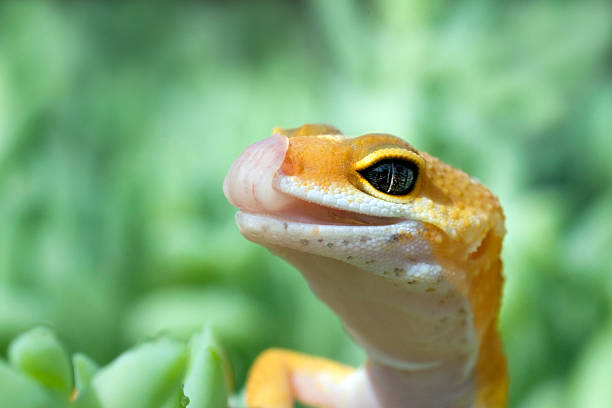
{"x": 304, "y": 212}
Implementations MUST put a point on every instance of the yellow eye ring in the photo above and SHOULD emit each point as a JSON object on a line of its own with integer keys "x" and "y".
{"x": 384, "y": 161}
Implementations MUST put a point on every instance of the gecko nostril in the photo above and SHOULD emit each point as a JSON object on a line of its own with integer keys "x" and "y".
{"x": 288, "y": 168}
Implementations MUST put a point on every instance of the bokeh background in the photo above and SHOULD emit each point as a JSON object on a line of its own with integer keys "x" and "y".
{"x": 118, "y": 121}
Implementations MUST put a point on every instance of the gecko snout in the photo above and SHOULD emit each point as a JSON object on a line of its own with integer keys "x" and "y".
{"x": 249, "y": 184}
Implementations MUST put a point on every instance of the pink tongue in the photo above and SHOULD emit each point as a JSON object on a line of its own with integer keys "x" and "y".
{"x": 249, "y": 182}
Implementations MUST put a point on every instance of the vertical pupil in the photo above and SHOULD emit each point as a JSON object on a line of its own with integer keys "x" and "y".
{"x": 392, "y": 176}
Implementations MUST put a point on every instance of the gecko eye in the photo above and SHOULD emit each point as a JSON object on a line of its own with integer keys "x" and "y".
{"x": 392, "y": 176}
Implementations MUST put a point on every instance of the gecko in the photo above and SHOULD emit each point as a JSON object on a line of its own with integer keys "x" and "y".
{"x": 402, "y": 247}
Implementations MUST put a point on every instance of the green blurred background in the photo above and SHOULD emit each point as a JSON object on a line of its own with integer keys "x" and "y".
{"x": 119, "y": 120}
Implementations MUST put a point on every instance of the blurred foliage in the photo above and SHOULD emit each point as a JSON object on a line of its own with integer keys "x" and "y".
{"x": 162, "y": 373}
{"x": 118, "y": 121}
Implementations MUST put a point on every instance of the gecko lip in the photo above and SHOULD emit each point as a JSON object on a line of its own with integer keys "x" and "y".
{"x": 264, "y": 227}
{"x": 304, "y": 212}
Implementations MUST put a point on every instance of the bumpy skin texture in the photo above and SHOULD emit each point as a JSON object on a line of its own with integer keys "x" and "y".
{"x": 416, "y": 278}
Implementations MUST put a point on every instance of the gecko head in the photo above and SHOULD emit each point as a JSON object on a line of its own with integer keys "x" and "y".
{"x": 315, "y": 190}
{"x": 382, "y": 232}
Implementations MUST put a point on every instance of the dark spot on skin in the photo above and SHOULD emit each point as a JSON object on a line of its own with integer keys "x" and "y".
{"x": 329, "y": 245}
{"x": 411, "y": 258}
{"x": 394, "y": 238}
{"x": 304, "y": 241}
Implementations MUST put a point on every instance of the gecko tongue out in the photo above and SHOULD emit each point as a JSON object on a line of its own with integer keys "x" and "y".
{"x": 249, "y": 182}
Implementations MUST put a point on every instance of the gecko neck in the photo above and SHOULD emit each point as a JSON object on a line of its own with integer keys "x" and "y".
{"x": 420, "y": 344}
{"x": 445, "y": 385}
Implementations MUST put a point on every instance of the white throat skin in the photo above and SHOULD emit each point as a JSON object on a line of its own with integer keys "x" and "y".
{"x": 415, "y": 328}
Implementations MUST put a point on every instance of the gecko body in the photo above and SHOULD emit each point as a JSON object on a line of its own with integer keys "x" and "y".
{"x": 402, "y": 247}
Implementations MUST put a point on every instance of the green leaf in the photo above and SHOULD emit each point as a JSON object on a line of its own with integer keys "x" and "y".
{"x": 84, "y": 370}
{"x": 20, "y": 391}
{"x": 39, "y": 354}
{"x": 86, "y": 398}
{"x": 142, "y": 377}
{"x": 208, "y": 376}
{"x": 183, "y": 401}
